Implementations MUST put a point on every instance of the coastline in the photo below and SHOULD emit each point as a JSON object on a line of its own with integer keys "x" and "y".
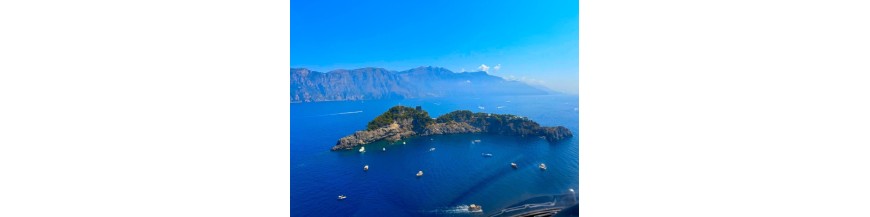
{"x": 558, "y": 204}
{"x": 400, "y": 122}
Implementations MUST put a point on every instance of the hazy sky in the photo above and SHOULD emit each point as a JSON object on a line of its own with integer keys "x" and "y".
{"x": 533, "y": 41}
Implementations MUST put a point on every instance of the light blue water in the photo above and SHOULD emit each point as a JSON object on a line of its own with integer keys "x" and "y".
{"x": 455, "y": 174}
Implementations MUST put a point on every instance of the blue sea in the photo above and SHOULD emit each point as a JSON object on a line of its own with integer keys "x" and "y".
{"x": 455, "y": 173}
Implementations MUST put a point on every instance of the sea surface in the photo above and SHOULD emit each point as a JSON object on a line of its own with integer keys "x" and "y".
{"x": 455, "y": 173}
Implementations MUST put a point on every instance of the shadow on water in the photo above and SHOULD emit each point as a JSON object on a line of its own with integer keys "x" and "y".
{"x": 482, "y": 183}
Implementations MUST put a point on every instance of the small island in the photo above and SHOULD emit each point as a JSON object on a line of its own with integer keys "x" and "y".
{"x": 402, "y": 122}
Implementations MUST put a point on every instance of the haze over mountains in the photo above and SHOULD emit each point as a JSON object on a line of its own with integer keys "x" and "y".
{"x": 378, "y": 83}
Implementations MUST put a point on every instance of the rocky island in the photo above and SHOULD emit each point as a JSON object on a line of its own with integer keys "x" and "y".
{"x": 401, "y": 122}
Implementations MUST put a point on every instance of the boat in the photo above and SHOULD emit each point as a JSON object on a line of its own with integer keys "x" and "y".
{"x": 384, "y": 149}
{"x": 475, "y": 141}
{"x": 363, "y": 149}
{"x": 486, "y": 154}
{"x": 542, "y": 166}
{"x": 366, "y": 168}
{"x": 403, "y": 143}
{"x": 475, "y": 208}
{"x": 341, "y": 197}
{"x": 420, "y": 173}
{"x": 481, "y": 107}
{"x": 432, "y": 149}
{"x": 514, "y": 165}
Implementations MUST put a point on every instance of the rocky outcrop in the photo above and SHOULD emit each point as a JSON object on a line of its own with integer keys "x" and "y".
{"x": 402, "y": 122}
{"x": 393, "y": 132}
{"x": 450, "y": 128}
{"x": 553, "y": 134}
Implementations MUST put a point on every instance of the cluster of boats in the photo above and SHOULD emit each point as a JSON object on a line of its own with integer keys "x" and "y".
{"x": 472, "y": 207}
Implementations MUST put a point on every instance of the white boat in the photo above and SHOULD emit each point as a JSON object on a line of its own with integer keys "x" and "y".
{"x": 486, "y": 154}
{"x": 363, "y": 149}
{"x": 432, "y": 149}
{"x": 514, "y": 165}
{"x": 542, "y": 166}
{"x": 403, "y": 143}
{"x": 384, "y": 149}
{"x": 481, "y": 107}
{"x": 341, "y": 197}
{"x": 420, "y": 173}
{"x": 475, "y": 208}
{"x": 366, "y": 168}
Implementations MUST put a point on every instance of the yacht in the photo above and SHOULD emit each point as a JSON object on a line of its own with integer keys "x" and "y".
{"x": 486, "y": 154}
{"x": 514, "y": 165}
{"x": 542, "y": 166}
{"x": 341, "y": 197}
{"x": 420, "y": 173}
{"x": 384, "y": 149}
{"x": 366, "y": 168}
{"x": 432, "y": 149}
{"x": 403, "y": 143}
{"x": 362, "y": 149}
{"x": 475, "y": 208}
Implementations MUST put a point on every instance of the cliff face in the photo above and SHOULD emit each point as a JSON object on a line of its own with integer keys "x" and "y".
{"x": 378, "y": 83}
{"x": 394, "y": 132}
{"x": 450, "y": 128}
{"x": 402, "y": 122}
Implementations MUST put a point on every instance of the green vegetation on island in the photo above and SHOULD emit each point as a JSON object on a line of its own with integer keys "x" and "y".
{"x": 401, "y": 122}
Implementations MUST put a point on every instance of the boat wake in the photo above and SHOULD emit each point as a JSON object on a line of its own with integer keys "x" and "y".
{"x": 341, "y": 113}
{"x": 526, "y": 206}
{"x": 453, "y": 210}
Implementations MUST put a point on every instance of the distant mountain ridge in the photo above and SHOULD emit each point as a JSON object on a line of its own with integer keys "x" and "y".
{"x": 378, "y": 83}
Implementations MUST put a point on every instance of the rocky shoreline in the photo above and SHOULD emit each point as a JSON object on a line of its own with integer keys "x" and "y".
{"x": 402, "y": 122}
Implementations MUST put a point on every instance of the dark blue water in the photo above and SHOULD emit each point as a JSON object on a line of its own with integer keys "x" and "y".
{"x": 455, "y": 174}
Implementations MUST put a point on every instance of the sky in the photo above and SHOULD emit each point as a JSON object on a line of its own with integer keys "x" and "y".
{"x": 531, "y": 41}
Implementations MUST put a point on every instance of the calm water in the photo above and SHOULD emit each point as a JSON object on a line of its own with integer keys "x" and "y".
{"x": 455, "y": 173}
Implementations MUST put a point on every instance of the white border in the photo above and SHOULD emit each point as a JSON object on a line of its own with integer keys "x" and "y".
{"x": 724, "y": 108}
{"x": 144, "y": 108}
